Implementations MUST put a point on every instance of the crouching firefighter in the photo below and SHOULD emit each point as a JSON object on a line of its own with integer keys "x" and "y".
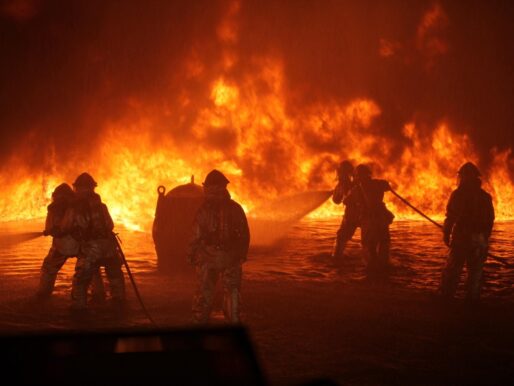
{"x": 350, "y": 221}
{"x": 63, "y": 246}
{"x": 218, "y": 248}
{"x": 367, "y": 195}
{"x": 467, "y": 227}
{"x": 92, "y": 225}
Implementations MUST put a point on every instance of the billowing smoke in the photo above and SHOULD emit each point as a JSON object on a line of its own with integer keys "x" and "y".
{"x": 420, "y": 61}
{"x": 70, "y": 67}
{"x": 69, "y": 70}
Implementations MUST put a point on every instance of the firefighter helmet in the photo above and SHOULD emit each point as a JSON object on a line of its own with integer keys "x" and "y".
{"x": 215, "y": 177}
{"x": 469, "y": 169}
{"x": 345, "y": 168}
{"x": 85, "y": 180}
{"x": 363, "y": 171}
{"x": 62, "y": 191}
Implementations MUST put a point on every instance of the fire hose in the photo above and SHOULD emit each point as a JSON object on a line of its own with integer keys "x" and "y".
{"x": 22, "y": 237}
{"x": 117, "y": 241}
{"x": 494, "y": 257}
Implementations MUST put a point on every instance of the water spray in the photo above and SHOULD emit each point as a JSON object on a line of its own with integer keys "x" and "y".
{"x": 17, "y": 238}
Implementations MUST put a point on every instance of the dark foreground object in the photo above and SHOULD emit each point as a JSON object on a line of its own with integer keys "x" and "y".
{"x": 172, "y": 226}
{"x": 221, "y": 356}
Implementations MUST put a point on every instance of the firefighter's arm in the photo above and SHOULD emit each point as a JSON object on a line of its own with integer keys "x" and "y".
{"x": 67, "y": 222}
{"x": 343, "y": 188}
{"x": 52, "y": 228}
{"x": 108, "y": 219}
{"x": 48, "y": 223}
{"x": 452, "y": 214}
{"x": 352, "y": 196}
{"x": 337, "y": 197}
{"x": 491, "y": 216}
{"x": 244, "y": 236}
{"x": 195, "y": 243}
{"x": 385, "y": 186}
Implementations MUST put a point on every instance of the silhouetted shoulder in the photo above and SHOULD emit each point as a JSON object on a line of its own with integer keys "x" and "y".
{"x": 382, "y": 185}
{"x": 236, "y": 207}
{"x": 95, "y": 197}
{"x": 455, "y": 194}
{"x": 486, "y": 195}
{"x": 458, "y": 199}
{"x": 461, "y": 193}
{"x": 57, "y": 206}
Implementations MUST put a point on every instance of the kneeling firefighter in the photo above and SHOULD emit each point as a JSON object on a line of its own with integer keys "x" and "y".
{"x": 367, "y": 194}
{"x": 351, "y": 219}
{"x": 218, "y": 249}
{"x": 63, "y": 246}
{"x": 91, "y": 224}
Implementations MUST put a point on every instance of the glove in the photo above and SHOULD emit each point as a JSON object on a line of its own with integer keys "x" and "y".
{"x": 446, "y": 239}
{"x": 54, "y": 232}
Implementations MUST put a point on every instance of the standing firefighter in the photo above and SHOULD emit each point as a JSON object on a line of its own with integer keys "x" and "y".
{"x": 92, "y": 225}
{"x": 63, "y": 246}
{"x": 350, "y": 221}
{"x": 367, "y": 195}
{"x": 467, "y": 227}
{"x": 219, "y": 248}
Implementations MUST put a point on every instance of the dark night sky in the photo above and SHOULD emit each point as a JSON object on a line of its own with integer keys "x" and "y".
{"x": 66, "y": 67}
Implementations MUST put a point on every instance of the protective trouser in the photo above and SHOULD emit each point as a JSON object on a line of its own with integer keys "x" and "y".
{"x": 51, "y": 266}
{"x": 473, "y": 252}
{"x": 376, "y": 240}
{"x": 208, "y": 273}
{"x": 344, "y": 234}
{"x": 95, "y": 254}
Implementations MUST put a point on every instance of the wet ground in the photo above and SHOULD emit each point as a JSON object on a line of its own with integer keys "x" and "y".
{"x": 310, "y": 317}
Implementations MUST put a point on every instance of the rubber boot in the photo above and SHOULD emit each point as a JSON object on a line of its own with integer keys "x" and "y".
{"x": 339, "y": 246}
{"x": 231, "y": 306}
{"x": 46, "y": 287}
{"x": 97, "y": 288}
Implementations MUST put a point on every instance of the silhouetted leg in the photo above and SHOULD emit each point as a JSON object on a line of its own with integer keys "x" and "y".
{"x": 370, "y": 243}
{"x": 372, "y": 255}
{"x": 97, "y": 286}
{"x": 84, "y": 269}
{"x": 115, "y": 277}
{"x": 475, "y": 264}
{"x": 344, "y": 234}
{"x": 451, "y": 273}
{"x": 384, "y": 247}
{"x": 202, "y": 302}
{"x": 231, "y": 293}
{"x": 52, "y": 263}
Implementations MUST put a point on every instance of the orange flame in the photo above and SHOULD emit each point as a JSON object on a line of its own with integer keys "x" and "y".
{"x": 247, "y": 131}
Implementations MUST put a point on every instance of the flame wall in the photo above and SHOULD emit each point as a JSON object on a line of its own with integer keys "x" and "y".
{"x": 275, "y": 94}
